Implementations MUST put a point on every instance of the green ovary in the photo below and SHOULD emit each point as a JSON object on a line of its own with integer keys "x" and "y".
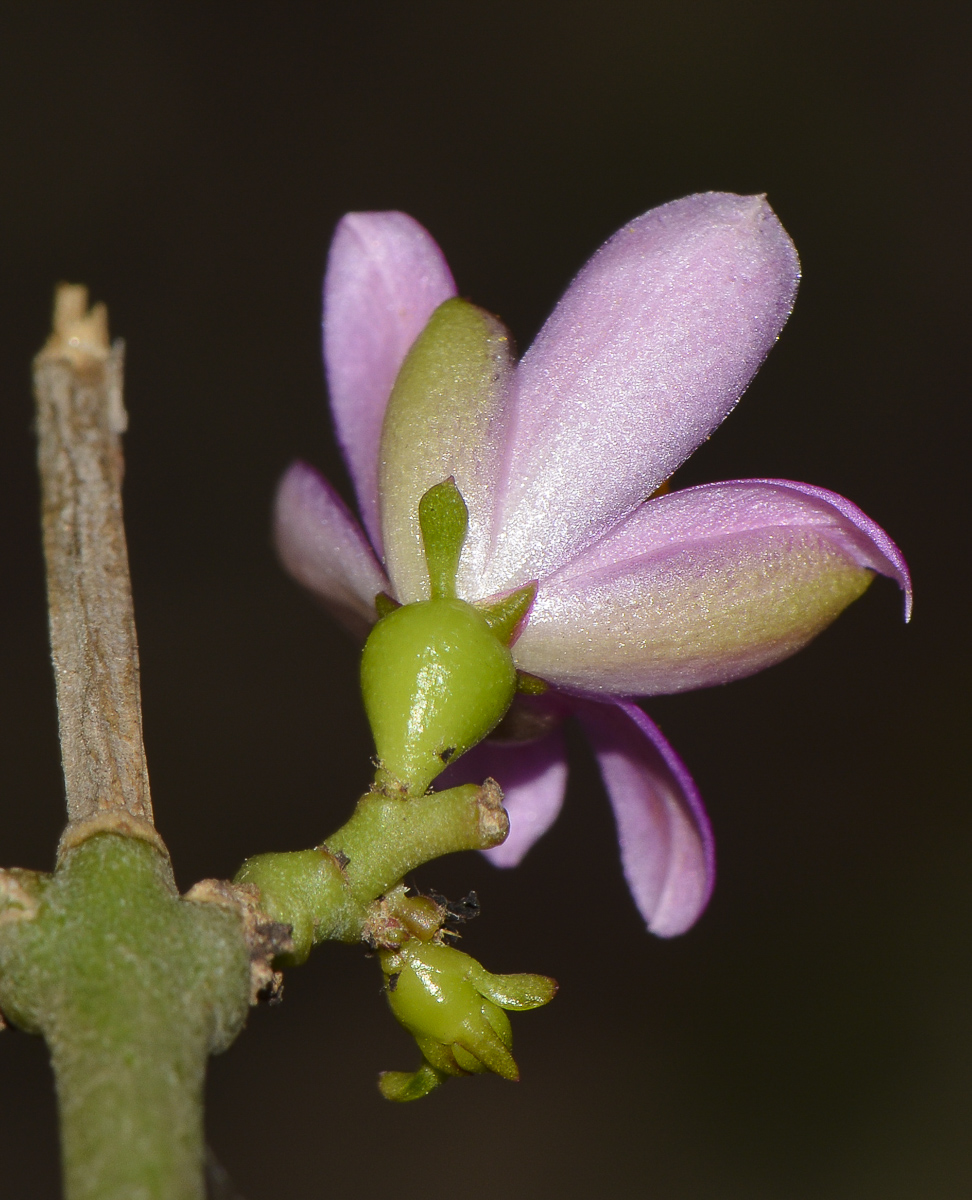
{"x": 436, "y": 681}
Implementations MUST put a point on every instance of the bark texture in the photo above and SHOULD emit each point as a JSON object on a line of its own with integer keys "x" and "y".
{"x": 80, "y": 419}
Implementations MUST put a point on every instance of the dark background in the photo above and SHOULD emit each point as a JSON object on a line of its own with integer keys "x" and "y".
{"x": 811, "y": 1039}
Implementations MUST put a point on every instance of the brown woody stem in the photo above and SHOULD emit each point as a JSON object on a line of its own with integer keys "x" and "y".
{"x": 80, "y": 417}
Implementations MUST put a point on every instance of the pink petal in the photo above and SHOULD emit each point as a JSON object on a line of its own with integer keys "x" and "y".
{"x": 667, "y": 848}
{"x": 652, "y": 345}
{"x": 385, "y": 277}
{"x": 533, "y": 776}
{"x": 323, "y": 547}
{"x": 702, "y": 586}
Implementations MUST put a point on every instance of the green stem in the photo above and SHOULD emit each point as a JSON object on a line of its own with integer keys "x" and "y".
{"x": 324, "y": 893}
{"x": 132, "y": 988}
{"x": 388, "y": 836}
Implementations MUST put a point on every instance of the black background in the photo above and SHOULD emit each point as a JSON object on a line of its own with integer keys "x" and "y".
{"x": 812, "y": 1037}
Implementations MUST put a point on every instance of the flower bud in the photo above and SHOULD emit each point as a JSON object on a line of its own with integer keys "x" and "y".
{"x": 453, "y": 1007}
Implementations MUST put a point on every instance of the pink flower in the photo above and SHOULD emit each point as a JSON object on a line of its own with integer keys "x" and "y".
{"x": 558, "y": 459}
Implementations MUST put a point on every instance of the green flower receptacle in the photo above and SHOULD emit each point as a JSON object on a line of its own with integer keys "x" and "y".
{"x": 436, "y": 680}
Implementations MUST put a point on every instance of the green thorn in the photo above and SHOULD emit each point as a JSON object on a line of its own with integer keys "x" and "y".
{"x": 444, "y": 519}
{"x": 504, "y": 616}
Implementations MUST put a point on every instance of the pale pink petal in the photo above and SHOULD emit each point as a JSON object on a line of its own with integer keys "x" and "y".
{"x": 702, "y": 586}
{"x": 533, "y": 776}
{"x": 667, "y": 848}
{"x": 385, "y": 277}
{"x": 652, "y": 345}
{"x": 324, "y": 548}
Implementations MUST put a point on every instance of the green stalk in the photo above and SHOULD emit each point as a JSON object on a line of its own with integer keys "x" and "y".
{"x": 324, "y": 894}
{"x": 132, "y": 988}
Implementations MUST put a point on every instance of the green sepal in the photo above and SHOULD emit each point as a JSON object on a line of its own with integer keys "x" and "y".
{"x": 505, "y": 616}
{"x": 385, "y": 604}
{"x": 518, "y": 993}
{"x": 531, "y": 685}
{"x": 444, "y": 521}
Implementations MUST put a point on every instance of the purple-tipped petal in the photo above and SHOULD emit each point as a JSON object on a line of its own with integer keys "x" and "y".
{"x": 875, "y": 548}
{"x": 324, "y": 548}
{"x": 385, "y": 277}
{"x": 533, "y": 776}
{"x": 652, "y": 345}
{"x": 667, "y": 848}
{"x": 702, "y": 586}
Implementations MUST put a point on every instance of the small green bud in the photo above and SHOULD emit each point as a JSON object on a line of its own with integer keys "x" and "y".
{"x": 435, "y": 682}
{"x": 453, "y": 1007}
